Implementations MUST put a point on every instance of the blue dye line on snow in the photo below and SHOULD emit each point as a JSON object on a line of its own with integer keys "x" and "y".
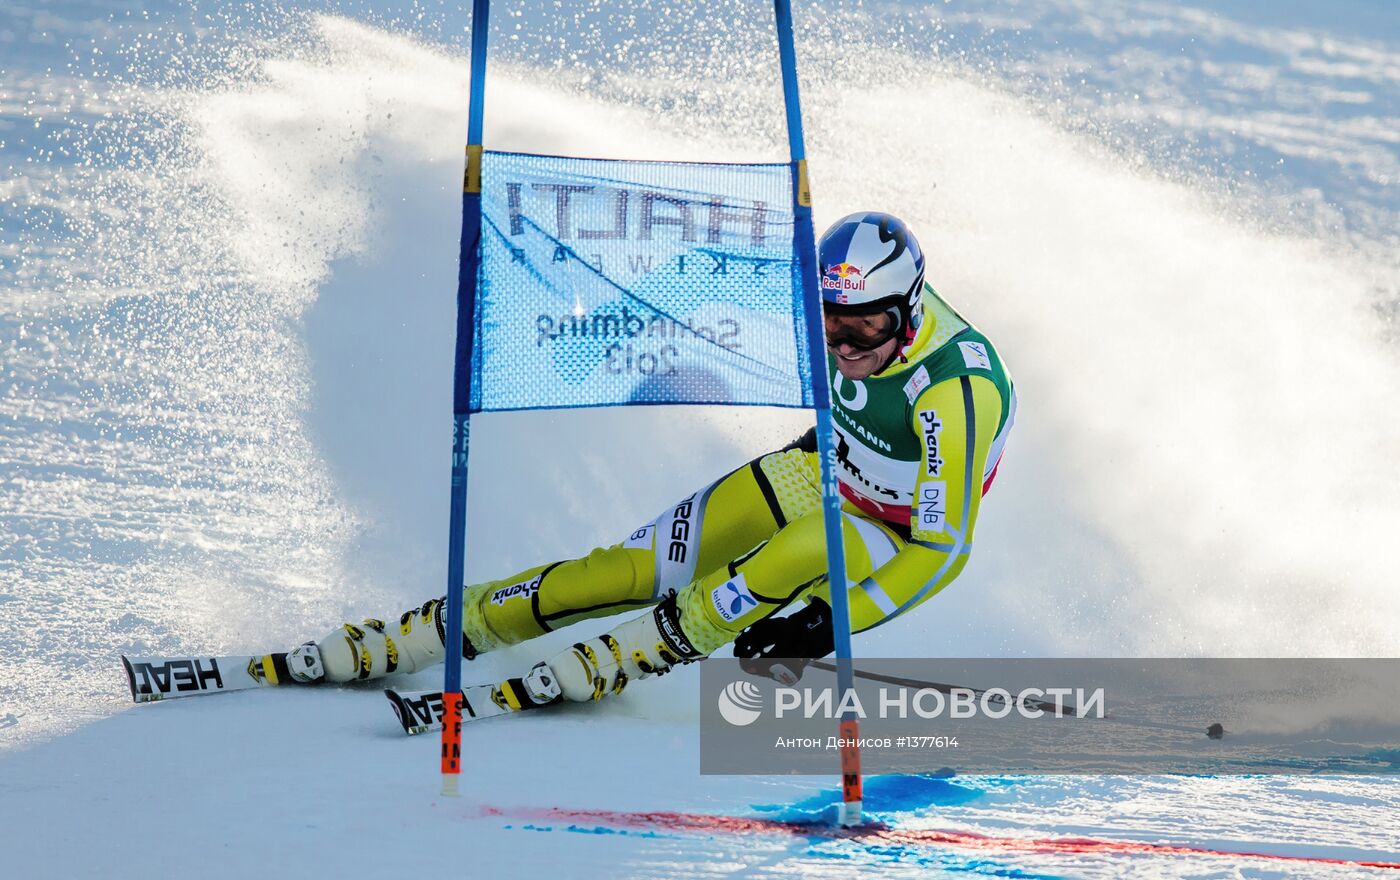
{"x": 899, "y": 793}
{"x": 837, "y": 850}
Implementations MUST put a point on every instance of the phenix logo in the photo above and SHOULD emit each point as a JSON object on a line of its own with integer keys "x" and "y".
{"x": 843, "y": 276}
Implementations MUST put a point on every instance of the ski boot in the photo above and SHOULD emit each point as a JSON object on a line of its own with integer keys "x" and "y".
{"x": 651, "y": 644}
{"x": 373, "y": 650}
{"x": 304, "y": 664}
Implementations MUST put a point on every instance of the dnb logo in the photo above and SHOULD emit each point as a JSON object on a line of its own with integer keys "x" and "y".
{"x": 740, "y": 703}
{"x": 842, "y": 277}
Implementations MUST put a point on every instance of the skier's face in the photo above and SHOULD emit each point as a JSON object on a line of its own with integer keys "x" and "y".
{"x": 857, "y": 364}
{"x": 861, "y": 344}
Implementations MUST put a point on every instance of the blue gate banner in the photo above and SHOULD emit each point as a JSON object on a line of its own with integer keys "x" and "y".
{"x": 607, "y": 282}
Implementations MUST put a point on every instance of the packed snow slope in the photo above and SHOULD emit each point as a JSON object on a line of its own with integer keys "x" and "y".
{"x": 228, "y": 256}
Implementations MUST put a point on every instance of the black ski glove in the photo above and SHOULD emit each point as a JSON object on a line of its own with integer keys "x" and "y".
{"x": 781, "y": 647}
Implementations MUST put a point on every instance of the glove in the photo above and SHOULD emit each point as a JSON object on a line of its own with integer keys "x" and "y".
{"x": 780, "y": 647}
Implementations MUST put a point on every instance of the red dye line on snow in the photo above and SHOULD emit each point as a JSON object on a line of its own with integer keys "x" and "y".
{"x": 881, "y": 834}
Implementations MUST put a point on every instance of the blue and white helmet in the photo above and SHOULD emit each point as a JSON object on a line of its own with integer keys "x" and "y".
{"x": 871, "y": 262}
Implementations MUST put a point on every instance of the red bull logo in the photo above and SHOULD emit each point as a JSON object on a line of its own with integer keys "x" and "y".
{"x": 843, "y": 276}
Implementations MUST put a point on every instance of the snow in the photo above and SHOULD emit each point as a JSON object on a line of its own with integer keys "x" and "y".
{"x": 228, "y": 245}
{"x": 324, "y": 781}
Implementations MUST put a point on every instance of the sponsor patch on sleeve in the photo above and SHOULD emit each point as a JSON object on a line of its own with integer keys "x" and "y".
{"x": 933, "y": 505}
{"x": 975, "y": 355}
{"x": 933, "y": 426}
{"x": 732, "y": 598}
{"x": 918, "y": 383}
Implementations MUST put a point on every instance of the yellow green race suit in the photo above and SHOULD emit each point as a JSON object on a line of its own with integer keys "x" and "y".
{"x": 918, "y": 445}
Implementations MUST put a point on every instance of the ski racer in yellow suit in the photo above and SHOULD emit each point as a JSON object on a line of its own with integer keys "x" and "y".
{"x": 922, "y": 405}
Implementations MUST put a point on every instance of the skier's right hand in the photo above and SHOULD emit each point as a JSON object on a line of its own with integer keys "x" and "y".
{"x": 781, "y": 647}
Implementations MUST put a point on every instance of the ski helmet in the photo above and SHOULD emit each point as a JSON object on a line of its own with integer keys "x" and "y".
{"x": 870, "y": 264}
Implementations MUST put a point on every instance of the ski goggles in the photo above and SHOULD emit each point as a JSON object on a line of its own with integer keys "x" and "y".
{"x": 862, "y": 332}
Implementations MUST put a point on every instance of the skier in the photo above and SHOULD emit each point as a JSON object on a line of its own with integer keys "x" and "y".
{"x": 922, "y": 405}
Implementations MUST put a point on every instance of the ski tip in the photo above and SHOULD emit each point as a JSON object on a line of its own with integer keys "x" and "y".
{"x": 130, "y": 679}
{"x": 416, "y": 712}
{"x": 399, "y": 710}
{"x": 137, "y": 696}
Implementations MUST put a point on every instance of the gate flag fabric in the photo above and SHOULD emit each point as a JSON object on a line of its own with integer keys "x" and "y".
{"x": 609, "y": 282}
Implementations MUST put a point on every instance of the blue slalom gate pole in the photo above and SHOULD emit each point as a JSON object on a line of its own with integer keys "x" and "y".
{"x": 468, "y": 263}
{"x": 804, "y": 242}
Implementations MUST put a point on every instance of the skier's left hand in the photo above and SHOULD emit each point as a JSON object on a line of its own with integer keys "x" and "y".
{"x": 781, "y": 647}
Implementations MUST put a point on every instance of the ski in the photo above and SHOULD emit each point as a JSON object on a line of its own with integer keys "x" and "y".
{"x": 418, "y": 711}
{"x": 164, "y": 678}
{"x": 422, "y": 711}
